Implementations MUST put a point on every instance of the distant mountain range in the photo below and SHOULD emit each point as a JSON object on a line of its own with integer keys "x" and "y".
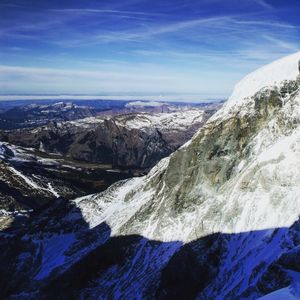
{"x": 129, "y": 139}
{"x": 27, "y": 113}
{"x": 34, "y": 114}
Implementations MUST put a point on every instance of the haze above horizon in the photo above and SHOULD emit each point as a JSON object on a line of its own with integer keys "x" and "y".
{"x": 140, "y": 47}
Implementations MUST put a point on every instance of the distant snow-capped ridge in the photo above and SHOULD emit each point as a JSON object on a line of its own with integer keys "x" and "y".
{"x": 145, "y": 103}
{"x": 175, "y": 121}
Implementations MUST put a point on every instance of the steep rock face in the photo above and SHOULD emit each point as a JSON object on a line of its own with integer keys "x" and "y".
{"x": 218, "y": 219}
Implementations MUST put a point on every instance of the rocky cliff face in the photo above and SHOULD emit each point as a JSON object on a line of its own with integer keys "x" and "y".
{"x": 218, "y": 219}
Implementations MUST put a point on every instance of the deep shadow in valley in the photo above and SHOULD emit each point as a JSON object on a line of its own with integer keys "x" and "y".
{"x": 129, "y": 266}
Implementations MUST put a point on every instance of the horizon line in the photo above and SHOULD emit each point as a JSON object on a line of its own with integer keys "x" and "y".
{"x": 158, "y": 98}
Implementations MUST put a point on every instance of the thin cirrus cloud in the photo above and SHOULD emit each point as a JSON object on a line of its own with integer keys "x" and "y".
{"x": 209, "y": 28}
{"x": 152, "y": 82}
{"x": 140, "y": 46}
{"x": 84, "y": 11}
{"x": 282, "y": 44}
{"x": 264, "y": 4}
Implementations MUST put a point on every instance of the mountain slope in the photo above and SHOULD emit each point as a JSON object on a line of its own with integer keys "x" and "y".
{"x": 218, "y": 219}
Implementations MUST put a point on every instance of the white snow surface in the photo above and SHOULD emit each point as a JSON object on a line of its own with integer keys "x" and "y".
{"x": 28, "y": 181}
{"x": 145, "y": 103}
{"x": 52, "y": 190}
{"x": 20, "y": 156}
{"x": 288, "y": 293}
{"x": 115, "y": 208}
{"x": 53, "y": 253}
{"x": 272, "y": 74}
{"x": 178, "y": 120}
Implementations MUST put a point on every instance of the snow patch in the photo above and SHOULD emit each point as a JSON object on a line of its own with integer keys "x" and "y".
{"x": 145, "y": 103}
{"x": 25, "y": 178}
{"x": 52, "y": 190}
{"x": 287, "y": 293}
{"x": 53, "y": 250}
{"x": 164, "y": 121}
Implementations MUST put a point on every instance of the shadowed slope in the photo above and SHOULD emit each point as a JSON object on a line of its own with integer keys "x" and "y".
{"x": 60, "y": 257}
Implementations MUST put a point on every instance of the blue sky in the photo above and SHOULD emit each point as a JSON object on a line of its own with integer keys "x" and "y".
{"x": 140, "y": 47}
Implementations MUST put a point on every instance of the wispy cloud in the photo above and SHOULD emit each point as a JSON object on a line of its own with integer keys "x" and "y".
{"x": 24, "y": 71}
{"x": 267, "y": 23}
{"x": 282, "y": 43}
{"x": 245, "y": 59}
{"x": 102, "y": 11}
{"x": 264, "y": 4}
{"x": 221, "y": 25}
{"x": 201, "y": 27}
{"x": 141, "y": 45}
{"x": 133, "y": 80}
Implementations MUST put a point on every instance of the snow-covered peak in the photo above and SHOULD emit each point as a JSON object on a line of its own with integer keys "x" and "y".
{"x": 145, "y": 103}
{"x": 273, "y": 74}
{"x": 268, "y": 76}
